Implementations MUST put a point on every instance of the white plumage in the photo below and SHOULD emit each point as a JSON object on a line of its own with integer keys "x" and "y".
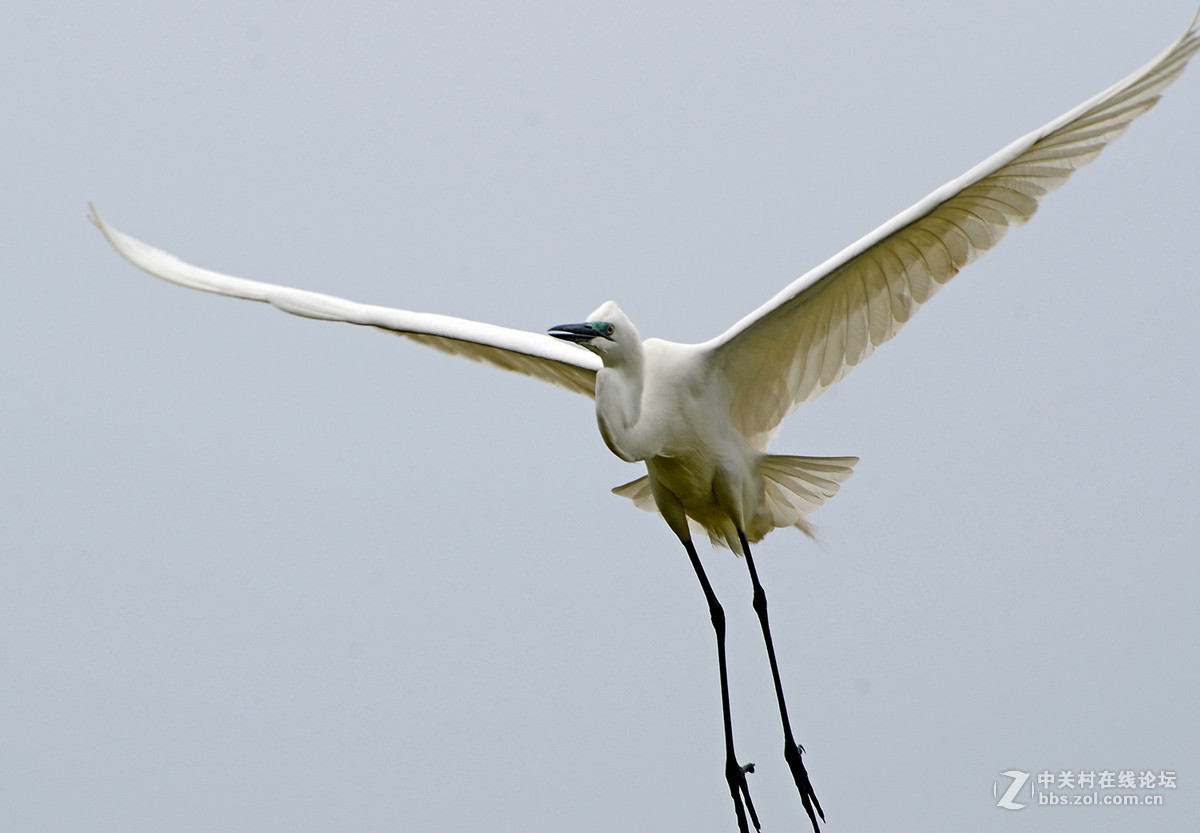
{"x": 716, "y": 404}
{"x": 700, "y": 416}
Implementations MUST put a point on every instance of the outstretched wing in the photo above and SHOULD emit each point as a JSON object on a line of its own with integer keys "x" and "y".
{"x": 809, "y": 335}
{"x": 532, "y": 354}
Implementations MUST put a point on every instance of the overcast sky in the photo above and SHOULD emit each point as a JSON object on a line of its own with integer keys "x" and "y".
{"x": 262, "y": 573}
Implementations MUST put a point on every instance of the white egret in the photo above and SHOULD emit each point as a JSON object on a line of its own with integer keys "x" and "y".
{"x": 699, "y": 416}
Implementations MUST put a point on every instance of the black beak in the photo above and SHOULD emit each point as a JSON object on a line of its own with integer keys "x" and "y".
{"x": 576, "y": 333}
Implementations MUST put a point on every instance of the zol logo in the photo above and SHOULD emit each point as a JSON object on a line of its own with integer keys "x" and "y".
{"x": 1018, "y": 781}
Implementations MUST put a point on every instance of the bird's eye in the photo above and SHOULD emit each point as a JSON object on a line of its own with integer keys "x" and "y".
{"x": 609, "y": 330}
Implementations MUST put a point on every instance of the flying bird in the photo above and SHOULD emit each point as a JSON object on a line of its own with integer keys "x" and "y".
{"x": 700, "y": 416}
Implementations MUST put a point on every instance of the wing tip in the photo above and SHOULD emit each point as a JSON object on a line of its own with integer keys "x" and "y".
{"x": 94, "y": 217}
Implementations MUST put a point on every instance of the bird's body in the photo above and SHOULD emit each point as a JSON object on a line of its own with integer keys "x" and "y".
{"x": 658, "y": 410}
{"x": 700, "y": 416}
{"x": 659, "y": 402}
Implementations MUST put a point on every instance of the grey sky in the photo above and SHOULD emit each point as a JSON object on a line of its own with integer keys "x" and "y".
{"x": 259, "y": 573}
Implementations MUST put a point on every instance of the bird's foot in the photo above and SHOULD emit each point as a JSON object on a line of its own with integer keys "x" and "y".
{"x": 735, "y": 774}
{"x": 792, "y": 753}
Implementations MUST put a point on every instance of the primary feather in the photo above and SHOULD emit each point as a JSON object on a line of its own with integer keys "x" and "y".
{"x": 700, "y": 415}
{"x": 815, "y": 330}
{"x": 531, "y": 354}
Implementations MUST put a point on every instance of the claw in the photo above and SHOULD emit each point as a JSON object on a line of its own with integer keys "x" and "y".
{"x": 739, "y": 789}
{"x": 792, "y": 753}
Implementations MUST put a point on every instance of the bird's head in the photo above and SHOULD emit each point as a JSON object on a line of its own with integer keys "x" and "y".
{"x": 607, "y": 333}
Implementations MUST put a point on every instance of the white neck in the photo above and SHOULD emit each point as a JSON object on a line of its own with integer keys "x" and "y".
{"x": 619, "y": 388}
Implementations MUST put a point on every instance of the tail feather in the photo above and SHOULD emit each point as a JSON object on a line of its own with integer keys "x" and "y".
{"x": 797, "y": 486}
{"x": 793, "y": 487}
{"x": 639, "y": 492}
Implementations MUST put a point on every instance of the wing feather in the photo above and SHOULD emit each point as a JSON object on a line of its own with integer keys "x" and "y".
{"x": 530, "y": 354}
{"x": 809, "y": 335}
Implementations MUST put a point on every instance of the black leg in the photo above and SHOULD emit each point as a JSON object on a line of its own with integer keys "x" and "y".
{"x": 735, "y": 773}
{"x": 792, "y": 751}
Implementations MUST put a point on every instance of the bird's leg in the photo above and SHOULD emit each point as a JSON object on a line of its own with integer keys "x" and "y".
{"x": 735, "y": 773}
{"x": 792, "y": 751}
